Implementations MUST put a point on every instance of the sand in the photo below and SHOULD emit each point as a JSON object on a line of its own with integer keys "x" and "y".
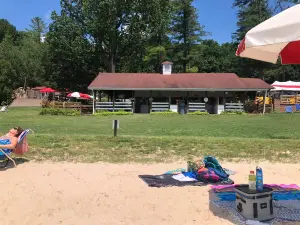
{"x": 94, "y": 194}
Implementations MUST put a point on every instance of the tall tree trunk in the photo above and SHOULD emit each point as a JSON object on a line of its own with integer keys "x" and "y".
{"x": 111, "y": 63}
{"x": 113, "y": 51}
{"x": 185, "y": 47}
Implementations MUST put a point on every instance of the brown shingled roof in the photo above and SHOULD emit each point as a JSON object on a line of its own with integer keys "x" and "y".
{"x": 254, "y": 82}
{"x": 186, "y": 81}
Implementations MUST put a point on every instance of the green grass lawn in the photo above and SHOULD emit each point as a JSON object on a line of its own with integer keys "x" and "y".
{"x": 157, "y": 138}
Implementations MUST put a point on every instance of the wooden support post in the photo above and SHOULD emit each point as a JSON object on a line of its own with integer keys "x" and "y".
{"x": 114, "y": 99}
{"x": 170, "y": 100}
{"x": 187, "y": 102}
{"x": 133, "y": 101}
{"x": 265, "y": 96}
{"x": 150, "y": 102}
{"x": 224, "y": 101}
{"x": 94, "y": 102}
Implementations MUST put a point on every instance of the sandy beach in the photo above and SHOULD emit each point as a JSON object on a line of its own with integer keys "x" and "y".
{"x": 111, "y": 194}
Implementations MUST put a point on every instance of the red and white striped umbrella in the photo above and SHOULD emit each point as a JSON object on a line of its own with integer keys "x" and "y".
{"x": 276, "y": 37}
{"x": 286, "y": 86}
{"x": 79, "y": 95}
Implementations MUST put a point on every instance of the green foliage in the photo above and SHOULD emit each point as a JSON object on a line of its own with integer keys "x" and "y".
{"x": 115, "y": 113}
{"x": 196, "y": 113}
{"x": 251, "y": 13}
{"x": 23, "y": 60}
{"x": 90, "y": 36}
{"x": 59, "y": 112}
{"x": 38, "y": 25}
{"x": 211, "y": 57}
{"x": 186, "y": 32}
{"x": 7, "y": 29}
{"x": 233, "y": 113}
{"x": 73, "y": 63}
{"x": 169, "y": 112}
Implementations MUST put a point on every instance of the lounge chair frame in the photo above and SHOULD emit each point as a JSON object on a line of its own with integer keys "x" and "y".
{"x": 7, "y": 155}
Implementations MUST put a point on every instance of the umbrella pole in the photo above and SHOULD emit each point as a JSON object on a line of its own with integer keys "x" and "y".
{"x": 265, "y": 97}
{"x": 94, "y": 97}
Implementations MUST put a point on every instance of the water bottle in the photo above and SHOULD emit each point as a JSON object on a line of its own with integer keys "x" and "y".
{"x": 252, "y": 181}
{"x": 259, "y": 180}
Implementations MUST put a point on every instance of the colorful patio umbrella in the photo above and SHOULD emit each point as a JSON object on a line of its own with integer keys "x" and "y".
{"x": 276, "y": 37}
{"x": 286, "y": 86}
{"x": 47, "y": 90}
{"x": 79, "y": 95}
{"x": 86, "y": 96}
{"x": 74, "y": 95}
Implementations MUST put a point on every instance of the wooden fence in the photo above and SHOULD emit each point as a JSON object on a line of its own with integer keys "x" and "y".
{"x": 196, "y": 106}
{"x": 234, "y": 107}
{"x": 160, "y": 106}
{"x": 114, "y": 106}
{"x": 67, "y": 105}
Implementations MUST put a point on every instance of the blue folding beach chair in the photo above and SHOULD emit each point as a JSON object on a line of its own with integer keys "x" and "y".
{"x": 297, "y": 107}
{"x": 6, "y": 153}
{"x": 289, "y": 109}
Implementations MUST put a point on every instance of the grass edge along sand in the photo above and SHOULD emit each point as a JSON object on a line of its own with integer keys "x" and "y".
{"x": 142, "y": 149}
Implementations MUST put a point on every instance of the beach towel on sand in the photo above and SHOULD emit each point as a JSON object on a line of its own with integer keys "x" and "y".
{"x": 166, "y": 180}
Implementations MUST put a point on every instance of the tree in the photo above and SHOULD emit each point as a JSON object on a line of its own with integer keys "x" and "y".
{"x": 9, "y": 68}
{"x": 119, "y": 28}
{"x": 90, "y": 36}
{"x": 7, "y": 29}
{"x": 211, "y": 57}
{"x": 185, "y": 31}
{"x": 73, "y": 62}
{"x": 250, "y": 14}
{"x": 38, "y": 25}
{"x": 159, "y": 42}
{"x": 32, "y": 59}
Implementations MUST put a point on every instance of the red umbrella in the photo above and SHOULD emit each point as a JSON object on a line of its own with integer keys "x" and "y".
{"x": 47, "y": 90}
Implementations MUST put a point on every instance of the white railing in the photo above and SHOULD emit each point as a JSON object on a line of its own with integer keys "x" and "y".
{"x": 110, "y": 106}
{"x": 160, "y": 106}
{"x": 196, "y": 106}
{"x": 234, "y": 107}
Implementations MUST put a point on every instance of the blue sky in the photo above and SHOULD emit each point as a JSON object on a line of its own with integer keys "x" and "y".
{"x": 217, "y": 16}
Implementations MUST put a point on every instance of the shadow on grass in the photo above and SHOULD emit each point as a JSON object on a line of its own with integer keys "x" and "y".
{"x": 218, "y": 211}
{"x": 10, "y": 165}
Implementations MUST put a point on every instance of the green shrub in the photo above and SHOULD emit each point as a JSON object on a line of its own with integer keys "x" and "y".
{"x": 198, "y": 113}
{"x": 60, "y": 112}
{"x": 169, "y": 112}
{"x": 108, "y": 113}
{"x": 233, "y": 113}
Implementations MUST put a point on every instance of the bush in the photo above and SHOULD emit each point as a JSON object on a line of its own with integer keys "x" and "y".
{"x": 198, "y": 113}
{"x": 60, "y": 112}
{"x": 169, "y": 112}
{"x": 233, "y": 113}
{"x": 108, "y": 113}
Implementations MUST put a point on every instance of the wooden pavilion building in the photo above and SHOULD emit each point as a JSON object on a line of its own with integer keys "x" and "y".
{"x": 187, "y": 92}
